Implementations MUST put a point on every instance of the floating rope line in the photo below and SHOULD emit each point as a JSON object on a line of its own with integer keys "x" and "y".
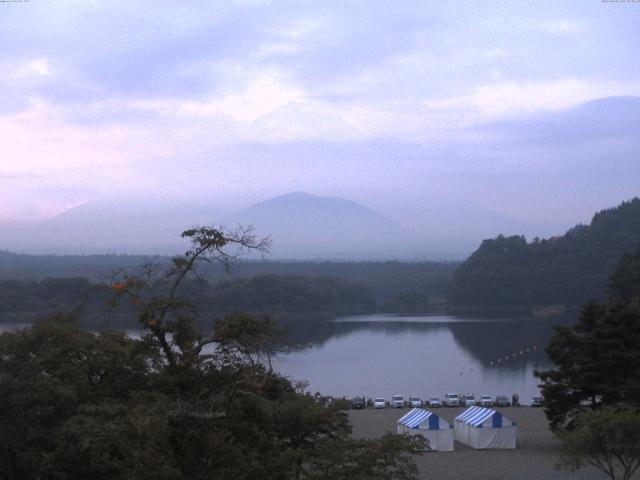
{"x": 506, "y": 357}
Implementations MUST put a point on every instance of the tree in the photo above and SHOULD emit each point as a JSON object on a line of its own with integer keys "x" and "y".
{"x": 596, "y": 361}
{"x": 387, "y": 457}
{"x": 182, "y": 402}
{"x": 71, "y": 404}
{"x": 410, "y": 301}
{"x": 607, "y": 439}
{"x": 170, "y": 319}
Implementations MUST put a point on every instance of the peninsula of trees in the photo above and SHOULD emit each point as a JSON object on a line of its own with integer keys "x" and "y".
{"x": 568, "y": 270}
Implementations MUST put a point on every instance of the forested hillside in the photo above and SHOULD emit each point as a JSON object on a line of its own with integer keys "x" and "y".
{"x": 385, "y": 279}
{"x": 567, "y": 270}
{"x": 22, "y": 301}
{"x": 291, "y": 294}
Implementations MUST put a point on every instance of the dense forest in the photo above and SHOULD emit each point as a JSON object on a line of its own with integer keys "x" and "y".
{"x": 23, "y": 301}
{"x": 291, "y": 294}
{"x": 568, "y": 270}
{"x": 384, "y": 279}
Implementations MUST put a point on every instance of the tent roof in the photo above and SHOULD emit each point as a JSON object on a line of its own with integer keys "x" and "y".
{"x": 475, "y": 416}
{"x": 415, "y": 417}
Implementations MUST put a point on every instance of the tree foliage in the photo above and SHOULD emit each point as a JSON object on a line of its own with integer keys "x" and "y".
{"x": 407, "y": 301}
{"x": 66, "y": 393}
{"x": 382, "y": 279}
{"x": 597, "y": 359}
{"x": 291, "y": 294}
{"x": 182, "y": 402}
{"x": 282, "y": 294}
{"x": 386, "y": 457}
{"x": 567, "y": 270}
{"x": 607, "y": 439}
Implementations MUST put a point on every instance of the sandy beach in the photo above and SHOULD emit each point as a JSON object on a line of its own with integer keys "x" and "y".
{"x": 534, "y": 459}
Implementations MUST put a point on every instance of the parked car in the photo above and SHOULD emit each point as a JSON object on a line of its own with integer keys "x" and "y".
{"x": 451, "y": 400}
{"x": 379, "y": 403}
{"x": 415, "y": 402}
{"x": 397, "y": 401}
{"x": 486, "y": 401}
{"x": 434, "y": 402}
{"x": 468, "y": 400}
{"x": 587, "y": 402}
{"x": 502, "y": 401}
{"x": 536, "y": 401}
{"x": 358, "y": 403}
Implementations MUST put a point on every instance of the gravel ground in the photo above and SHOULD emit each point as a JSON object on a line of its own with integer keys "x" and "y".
{"x": 534, "y": 459}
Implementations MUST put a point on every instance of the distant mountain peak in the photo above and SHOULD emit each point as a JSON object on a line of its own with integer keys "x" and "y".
{"x": 303, "y": 225}
{"x": 293, "y": 196}
{"x": 613, "y": 101}
{"x": 305, "y": 201}
{"x": 297, "y": 196}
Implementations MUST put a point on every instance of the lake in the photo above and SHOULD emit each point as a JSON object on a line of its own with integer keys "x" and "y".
{"x": 427, "y": 355}
{"x": 379, "y": 355}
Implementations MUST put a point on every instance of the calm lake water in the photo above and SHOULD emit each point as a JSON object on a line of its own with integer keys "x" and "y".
{"x": 379, "y": 355}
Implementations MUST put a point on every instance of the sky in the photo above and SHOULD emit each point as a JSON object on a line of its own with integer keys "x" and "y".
{"x": 433, "y": 113}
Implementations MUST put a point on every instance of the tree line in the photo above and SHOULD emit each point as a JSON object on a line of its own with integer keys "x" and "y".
{"x": 286, "y": 295}
{"x": 383, "y": 279}
{"x": 568, "y": 270}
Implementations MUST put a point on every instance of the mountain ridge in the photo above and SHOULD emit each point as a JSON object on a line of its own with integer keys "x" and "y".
{"x": 302, "y": 225}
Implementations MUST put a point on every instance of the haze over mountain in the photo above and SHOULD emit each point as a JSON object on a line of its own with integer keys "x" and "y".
{"x": 309, "y": 226}
{"x": 457, "y": 124}
{"x": 107, "y": 227}
{"x": 301, "y": 226}
{"x": 437, "y": 200}
{"x": 608, "y": 118}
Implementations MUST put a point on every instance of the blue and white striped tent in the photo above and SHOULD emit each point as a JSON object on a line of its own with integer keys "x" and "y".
{"x": 423, "y": 422}
{"x": 481, "y": 428}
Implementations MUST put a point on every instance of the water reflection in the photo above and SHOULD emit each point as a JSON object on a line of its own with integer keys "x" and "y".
{"x": 429, "y": 355}
{"x": 377, "y": 355}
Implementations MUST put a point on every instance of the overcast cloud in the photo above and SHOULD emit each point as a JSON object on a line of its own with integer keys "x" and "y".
{"x": 418, "y": 109}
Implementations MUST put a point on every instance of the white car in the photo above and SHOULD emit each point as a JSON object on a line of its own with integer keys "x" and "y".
{"x": 468, "y": 400}
{"x": 379, "y": 403}
{"x": 451, "y": 400}
{"x": 397, "y": 401}
{"x": 435, "y": 402}
{"x": 537, "y": 401}
{"x": 415, "y": 402}
{"x": 486, "y": 401}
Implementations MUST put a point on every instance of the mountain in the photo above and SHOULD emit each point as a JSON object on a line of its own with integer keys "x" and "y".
{"x": 302, "y": 226}
{"x": 107, "y": 227}
{"x": 571, "y": 269}
{"x": 605, "y": 119}
{"x": 306, "y": 226}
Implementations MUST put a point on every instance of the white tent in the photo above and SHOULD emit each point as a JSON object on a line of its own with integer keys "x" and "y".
{"x": 429, "y": 425}
{"x": 482, "y": 428}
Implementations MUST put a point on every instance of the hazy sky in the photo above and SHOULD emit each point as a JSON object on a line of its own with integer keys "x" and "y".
{"x": 403, "y": 106}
